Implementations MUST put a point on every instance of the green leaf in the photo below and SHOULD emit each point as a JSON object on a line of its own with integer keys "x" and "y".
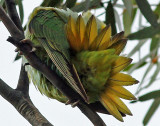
{"x": 151, "y": 111}
{"x": 118, "y": 20}
{"x": 70, "y": 3}
{"x": 157, "y": 10}
{"x": 145, "y": 74}
{"x": 137, "y": 47}
{"x": 140, "y": 62}
{"x": 80, "y": 7}
{"x": 21, "y": 11}
{"x": 149, "y": 96}
{"x": 147, "y": 32}
{"x": 154, "y": 43}
{"x": 127, "y": 22}
{"x": 129, "y": 6}
{"x": 131, "y": 65}
{"x": 110, "y": 18}
{"x": 51, "y": 3}
{"x": 1, "y": 2}
{"x": 153, "y": 76}
{"x": 17, "y": 57}
{"x": 147, "y": 12}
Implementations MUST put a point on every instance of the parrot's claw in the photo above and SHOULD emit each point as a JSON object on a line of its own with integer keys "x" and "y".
{"x": 73, "y": 104}
{"x": 28, "y": 41}
{"x": 16, "y": 50}
{"x": 33, "y": 49}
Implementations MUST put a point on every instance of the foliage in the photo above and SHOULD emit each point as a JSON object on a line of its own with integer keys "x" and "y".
{"x": 150, "y": 31}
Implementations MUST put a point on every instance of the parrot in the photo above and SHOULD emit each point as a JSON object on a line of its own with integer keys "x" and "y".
{"x": 81, "y": 50}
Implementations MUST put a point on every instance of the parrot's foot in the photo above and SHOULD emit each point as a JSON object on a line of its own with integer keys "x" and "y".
{"x": 28, "y": 41}
{"x": 73, "y": 104}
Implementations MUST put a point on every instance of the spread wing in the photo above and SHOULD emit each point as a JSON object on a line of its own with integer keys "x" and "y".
{"x": 48, "y": 28}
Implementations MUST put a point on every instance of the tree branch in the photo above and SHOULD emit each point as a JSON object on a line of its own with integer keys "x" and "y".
{"x": 12, "y": 28}
{"x": 12, "y": 11}
{"x": 23, "y": 82}
{"x": 23, "y": 105}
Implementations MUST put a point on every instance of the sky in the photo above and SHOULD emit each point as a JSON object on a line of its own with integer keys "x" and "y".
{"x": 57, "y": 113}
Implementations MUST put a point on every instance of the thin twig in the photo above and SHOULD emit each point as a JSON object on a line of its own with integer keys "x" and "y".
{"x": 12, "y": 28}
{"x": 12, "y": 11}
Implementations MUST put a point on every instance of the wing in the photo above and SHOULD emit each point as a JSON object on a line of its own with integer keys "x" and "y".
{"x": 48, "y": 28}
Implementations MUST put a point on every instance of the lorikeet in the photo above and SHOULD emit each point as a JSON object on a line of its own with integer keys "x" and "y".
{"x": 81, "y": 50}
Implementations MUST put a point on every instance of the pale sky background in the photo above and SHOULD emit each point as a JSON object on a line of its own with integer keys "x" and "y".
{"x": 57, "y": 113}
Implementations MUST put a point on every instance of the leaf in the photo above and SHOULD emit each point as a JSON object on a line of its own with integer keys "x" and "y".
{"x": 147, "y": 12}
{"x": 80, "y": 7}
{"x": 70, "y": 3}
{"x": 51, "y": 3}
{"x": 127, "y": 22}
{"x": 138, "y": 64}
{"x": 149, "y": 96}
{"x": 131, "y": 65}
{"x": 110, "y": 18}
{"x": 129, "y": 6}
{"x": 154, "y": 45}
{"x": 17, "y": 57}
{"x": 137, "y": 47}
{"x": 1, "y": 2}
{"x": 151, "y": 111}
{"x": 157, "y": 10}
{"x": 21, "y": 11}
{"x": 147, "y": 32}
{"x": 145, "y": 74}
{"x": 153, "y": 76}
{"x": 118, "y": 20}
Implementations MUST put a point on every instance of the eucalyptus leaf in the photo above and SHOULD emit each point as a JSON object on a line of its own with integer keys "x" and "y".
{"x": 127, "y": 22}
{"x": 118, "y": 20}
{"x": 17, "y": 57}
{"x": 147, "y": 32}
{"x": 140, "y": 62}
{"x": 110, "y": 18}
{"x": 21, "y": 11}
{"x": 1, "y": 2}
{"x": 137, "y": 47}
{"x": 151, "y": 111}
{"x": 145, "y": 74}
{"x": 147, "y": 12}
{"x": 131, "y": 65}
{"x": 129, "y": 6}
{"x": 153, "y": 76}
{"x": 149, "y": 96}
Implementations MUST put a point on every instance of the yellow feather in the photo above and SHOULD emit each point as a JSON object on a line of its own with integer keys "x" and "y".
{"x": 80, "y": 27}
{"x": 119, "y": 46}
{"x": 110, "y": 106}
{"x": 119, "y": 103}
{"x": 71, "y": 39}
{"x": 121, "y": 80}
{"x": 120, "y": 64}
{"x": 91, "y": 29}
{"x": 72, "y": 25}
{"x": 116, "y": 38}
{"x": 122, "y": 92}
{"x": 103, "y": 44}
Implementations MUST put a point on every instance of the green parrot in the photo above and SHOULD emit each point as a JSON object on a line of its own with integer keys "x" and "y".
{"x": 81, "y": 50}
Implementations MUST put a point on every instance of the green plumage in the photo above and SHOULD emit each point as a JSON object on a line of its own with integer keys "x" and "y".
{"x": 46, "y": 29}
